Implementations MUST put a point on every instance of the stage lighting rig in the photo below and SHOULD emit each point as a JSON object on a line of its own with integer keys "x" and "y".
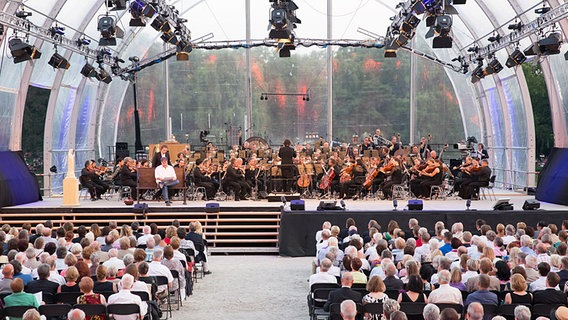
{"x": 493, "y": 67}
{"x": 115, "y": 5}
{"x": 516, "y": 58}
{"x": 140, "y": 11}
{"x": 442, "y": 27}
{"x": 103, "y": 76}
{"x": 478, "y": 73}
{"x": 88, "y": 70}
{"x": 115, "y": 67}
{"x": 57, "y": 61}
{"x": 109, "y": 31}
{"x": 161, "y": 24}
{"x": 23, "y": 14}
{"x": 57, "y": 31}
{"x": 22, "y": 51}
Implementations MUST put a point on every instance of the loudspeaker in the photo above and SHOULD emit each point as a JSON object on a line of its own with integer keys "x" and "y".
{"x": 121, "y": 150}
{"x": 415, "y": 204}
{"x": 212, "y": 207}
{"x": 140, "y": 208}
{"x": 297, "y": 205}
{"x": 531, "y": 204}
{"x": 503, "y": 204}
{"x": 327, "y": 205}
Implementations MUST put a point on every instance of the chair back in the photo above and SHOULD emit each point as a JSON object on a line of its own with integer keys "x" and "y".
{"x": 335, "y": 311}
{"x": 413, "y": 310}
{"x": 92, "y": 309}
{"x": 144, "y": 296}
{"x": 375, "y": 309}
{"x": 544, "y": 309}
{"x": 323, "y": 286}
{"x": 392, "y": 293}
{"x": 123, "y": 309}
{"x": 16, "y": 311}
{"x": 161, "y": 280}
{"x": 455, "y": 306}
{"x": 489, "y": 311}
{"x": 59, "y": 310}
{"x": 508, "y": 310}
{"x": 320, "y": 296}
{"x": 67, "y": 297}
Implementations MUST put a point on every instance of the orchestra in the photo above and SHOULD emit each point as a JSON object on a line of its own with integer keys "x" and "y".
{"x": 346, "y": 171}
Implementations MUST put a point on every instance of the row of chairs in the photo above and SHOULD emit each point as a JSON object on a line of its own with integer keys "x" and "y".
{"x": 60, "y": 311}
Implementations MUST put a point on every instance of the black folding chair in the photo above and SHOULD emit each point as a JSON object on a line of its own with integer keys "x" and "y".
{"x": 508, "y": 310}
{"x": 55, "y": 311}
{"x": 16, "y": 311}
{"x": 160, "y": 281}
{"x": 91, "y": 309}
{"x": 327, "y": 286}
{"x": 144, "y": 296}
{"x": 123, "y": 309}
{"x": 319, "y": 298}
{"x": 176, "y": 293}
{"x": 543, "y": 309}
{"x": 375, "y": 309}
{"x": 455, "y": 306}
{"x": 335, "y": 312}
{"x": 67, "y": 297}
{"x": 489, "y": 311}
{"x": 413, "y": 310}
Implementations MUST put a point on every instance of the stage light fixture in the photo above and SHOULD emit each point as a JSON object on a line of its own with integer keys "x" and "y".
{"x": 23, "y": 14}
{"x": 515, "y": 26}
{"x": 493, "y": 67}
{"x": 542, "y": 10}
{"x": 161, "y": 24}
{"x": 443, "y": 27}
{"x": 22, "y": 51}
{"x": 390, "y": 48}
{"x": 551, "y": 44}
{"x": 169, "y": 38}
{"x": 58, "y": 62}
{"x": 103, "y": 76}
{"x": 83, "y": 42}
{"x": 532, "y": 50}
{"x": 1, "y": 29}
{"x": 88, "y": 71}
{"x": 516, "y": 58}
{"x": 410, "y": 23}
{"x": 494, "y": 38}
{"x": 478, "y": 73}
{"x": 56, "y": 30}
{"x": 183, "y": 50}
{"x": 115, "y": 5}
{"x": 283, "y": 21}
{"x": 467, "y": 204}
{"x": 109, "y": 31}
{"x": 140, "y": 10}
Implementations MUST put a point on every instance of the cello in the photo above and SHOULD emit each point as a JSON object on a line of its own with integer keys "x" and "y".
{"x": 325, "y": 182}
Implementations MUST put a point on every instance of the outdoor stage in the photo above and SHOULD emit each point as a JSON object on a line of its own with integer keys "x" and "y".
{"x": 262, "y": 227}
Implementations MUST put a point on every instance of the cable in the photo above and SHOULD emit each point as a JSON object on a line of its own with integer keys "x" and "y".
{"x": 216, "y": 20}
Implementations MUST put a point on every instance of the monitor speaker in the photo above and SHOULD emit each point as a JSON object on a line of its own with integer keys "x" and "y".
{"x": 212, "y": 207}
{"x": 297, "y": 205}
{"x": 415, "y": 204}
{"x": 531, "y": 204}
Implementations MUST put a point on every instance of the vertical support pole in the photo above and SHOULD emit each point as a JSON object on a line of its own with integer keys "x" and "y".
{"x": 167, "y": 97}
{"x": 412, "y": 129}
{"x": 248, "y": 124}
{"x": 329, "y": 73}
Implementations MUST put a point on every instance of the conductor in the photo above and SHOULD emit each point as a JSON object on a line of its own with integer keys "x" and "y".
{"x": 287, "y": 154}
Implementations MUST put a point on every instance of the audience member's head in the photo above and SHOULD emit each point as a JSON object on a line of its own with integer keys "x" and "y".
{"x": 76, "y": 314}
{"x": 522, "y": 312}
{"x": 431, "y": 312}
{"x": 348, "y": 310}
{"x": 475, "y": 310}
{"x": 449, "y": 314}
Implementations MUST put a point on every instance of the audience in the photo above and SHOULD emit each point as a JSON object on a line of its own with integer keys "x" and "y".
{"x": 343, "y": 293}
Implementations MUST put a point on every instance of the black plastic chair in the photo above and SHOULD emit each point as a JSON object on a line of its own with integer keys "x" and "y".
{"x": 48, "y": 298}
{"x": 92, "y": 309}
{"x": 319, "y": 298}
{"x": 413, "y": 310}
{"x": 123, "y": 309}
{"x": 67, "y": 297}
{"x": 508, "y": 310}
{"x": 16, "y": 311}
{"x": 57, "y": 311}
{"x": 373, "y": 309}
{"x": 543, "y": 309}
{"x": 160, "y": 281}
{"x": 489, "y": 311}
{"x": 455, "y": 306}
{"x": 176, "y": 293}
{"x": 335, "y": 311}
{"x": 392, "y": 293}
{"x": 144, "y": 296}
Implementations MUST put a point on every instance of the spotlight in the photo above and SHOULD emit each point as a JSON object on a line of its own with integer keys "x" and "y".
{"x": 23, "y": 14}
{"x": 83, "y": 42}
{"x": 410, "y": 23}
{"x": 140, "y": 10}
{"x": 109, "y": 31}
{"x": 22, "y": 51}
{"x": 551, "y": 44}
{"x": 390, "y": 49}
{"x": 477, "y": 73}
{"x": 494, "y": 38}
{"x": 59, "y": 62}
{"x": 56, "y": 30}
{"x": 283, "y": 21}
{"x": 183, "y": 50}
{"x": 542, "y": 10}
{"x": 342, "y": 203}
{"x": 443, "y": 27}
{"x": 103, "y": 76}
{"x": 515, "y": 26}
{"x": 88, "y": 71}
{"x": 160, "y": 23}
{"x": 170, "y": 38}
{"x": 493, "y": 67}
{"x": 134, "y": 59}
{"x": 532, "y": 50}
{"x": 516, "y": 58}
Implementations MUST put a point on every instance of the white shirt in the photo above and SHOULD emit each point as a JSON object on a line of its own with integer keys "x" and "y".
{"x": 155, "y": 268}
{"x": 180, "y": 256}
{"x": 167, "y": 173}
{"x": 508, "y": 239}
{"x": 143, "y": 239}
{"x": 445, "y": 294}
{"x": 422, "y": 253}
{"x": 125, "y": 297}
{"x": 468, "y": 274}
{"x": 114, "y": 261}
{"x": 322, "y": 277}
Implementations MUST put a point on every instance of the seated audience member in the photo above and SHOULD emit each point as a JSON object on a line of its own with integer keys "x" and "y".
{"x": 43, "y": 284}
{"x": 26, "y": 278}
{"x": 449, "y": 314}
{"x": 114, "y": 260}
{"x": 7, "y": 274}
{"x": 124, "y": 296}
{"x": 174, "y": 264}
{"x": 540, "y": 283}
{"x": 89, "y": 297}
{"x": 456, "y": 279}
{"x": 482, "y": 294}
{"x": 391, "y": 282}
{"x": 156, "y": 268}
{"x": 358, "y": 276}
{"x": 522, "y": 312}
{"x": 519, "y": 294}
{"x": 563, "y": 273}
{"x": 138, "y": 285}
{"x": 445, "y": 293}
{"x": 414, "y": 290}
{"x": 343, "y": 293}
{"x": 485, "y": 267}
{"x": 323, "y": 276}
{"x": 71, "y": 285}
{"x": 474, "y": 310}
{"x": 348, "y": 310}
{"x": 431, "y": 312}
{"x": 376, "y": 288}
{"x": 31, "y": 314}
{"x": 550, "y": 295}
{"x": 102, "y": 284}
{"x": 19, "y": 297}
{"x": 77, "y": 314}
{"x": 390, "y": 306}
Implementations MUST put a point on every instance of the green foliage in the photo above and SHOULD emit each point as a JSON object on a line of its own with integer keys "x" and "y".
{"x": 33, "y": 126}
{"x": 541, "y": 108}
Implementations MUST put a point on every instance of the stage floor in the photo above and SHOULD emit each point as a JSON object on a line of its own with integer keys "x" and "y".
{"x": 450, "y": 204}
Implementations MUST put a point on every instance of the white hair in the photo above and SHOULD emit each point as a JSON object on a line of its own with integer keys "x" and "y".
{"x": 127, "y": 281}
{"x": 431, "y": 312}
{"x": 522, "y": 313}
{"x": 348, "y": 309}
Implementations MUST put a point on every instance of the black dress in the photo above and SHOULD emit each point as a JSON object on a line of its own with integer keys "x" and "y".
{"x": 406, "y": 298}
{"x": 66, "y": 288}
{"x": 521, "y": 299}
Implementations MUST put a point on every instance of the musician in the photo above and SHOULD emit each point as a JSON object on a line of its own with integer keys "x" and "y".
{"x": 326, "y": 149}
{"x": 424, "y": 148}
{"x": 415, "y": 152}
{"x": 460, "y": 175}
{"x": 115, "y": 176}
{"x": 395, "y": 146}
{"x": 482, "y": 152}
{"x": 336, "y": 169}
{"x": 251, "y": 174}
{"x": 201, "y": 179}
{"x": 377, "y": 139}
{"x": 394, "y": 176}
{"x": 365, "y": 146}
{"x": 432, "y": 175}
{"x": 287, "y": 155}
{"x": 91, "y": 180}
{"x": 165, "y": 177}
{"x": 157, "y": 158}
{"x": 356, "y": 176}
{"x": 235, "y": 179}
{"x": 129, "y": 176}
{"x": 477, "y": 178}
{"x": 308, "y": 150}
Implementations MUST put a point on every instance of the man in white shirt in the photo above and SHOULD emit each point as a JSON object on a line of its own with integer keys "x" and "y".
{"x": 124, "y": 296}
{"x": 323, "y": 276}
{"x": 147, "y": 235}
{"x": 114, "y": 260}
{"x": 165, "y": 177}
{"x": 156, "y": 268}
{"x": 445, "y": 293}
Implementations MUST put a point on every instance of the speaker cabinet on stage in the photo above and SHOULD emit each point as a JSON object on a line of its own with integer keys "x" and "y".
{"x": 121, "y": 150}
{"x": 297, "y": 205}
{"x": 415, "y": 204}
{"x": 531, "y": 204}
{"x": 212, "y": 207}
